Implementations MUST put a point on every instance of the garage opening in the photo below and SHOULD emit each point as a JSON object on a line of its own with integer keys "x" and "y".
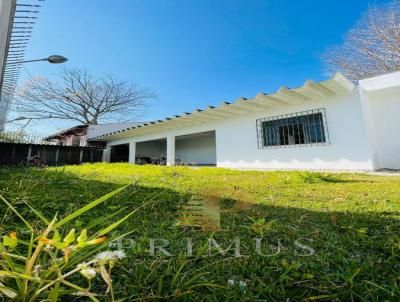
{"x": 151, "y": 152}
{"x": 197, "y": 149}
{"x": 119, "y": 153}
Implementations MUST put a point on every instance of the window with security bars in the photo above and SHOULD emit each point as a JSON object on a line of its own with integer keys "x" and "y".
{"x": 301, "y": 128}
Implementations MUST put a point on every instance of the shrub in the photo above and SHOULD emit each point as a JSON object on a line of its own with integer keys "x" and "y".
{"x": 48, "y": 265}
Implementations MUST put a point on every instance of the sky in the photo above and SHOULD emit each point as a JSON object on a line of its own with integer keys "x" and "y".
{"x": 191, "y": 53}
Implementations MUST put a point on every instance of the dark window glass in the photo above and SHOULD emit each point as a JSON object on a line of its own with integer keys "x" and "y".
{"x": 297, "y": 130}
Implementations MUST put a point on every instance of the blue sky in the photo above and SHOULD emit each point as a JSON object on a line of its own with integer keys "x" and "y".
{"x": 192, "y": 53}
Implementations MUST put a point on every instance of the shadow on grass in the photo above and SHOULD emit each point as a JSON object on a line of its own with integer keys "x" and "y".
{"x": 53, "y": 192}
{"x": 318, "y": 177}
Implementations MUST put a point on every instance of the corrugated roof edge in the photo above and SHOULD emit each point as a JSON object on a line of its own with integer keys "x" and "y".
{"x": 338, "y": 78}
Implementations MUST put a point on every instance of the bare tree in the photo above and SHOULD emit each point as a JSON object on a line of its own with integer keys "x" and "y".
{"x": 372, "y": 47}
{"x": 79, "y": 97}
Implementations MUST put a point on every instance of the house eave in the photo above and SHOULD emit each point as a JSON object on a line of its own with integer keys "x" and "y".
{"x": 66, "y": 132}
{"x": 310, "y": 91}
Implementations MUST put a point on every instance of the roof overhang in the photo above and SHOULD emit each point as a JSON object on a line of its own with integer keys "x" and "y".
{"x": 383, "y": 84}
{"x": 311, "y": 90}
{"x": 77, "y": 130}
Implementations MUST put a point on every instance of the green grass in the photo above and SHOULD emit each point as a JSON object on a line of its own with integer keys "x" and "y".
{"x": 352, "y": 221}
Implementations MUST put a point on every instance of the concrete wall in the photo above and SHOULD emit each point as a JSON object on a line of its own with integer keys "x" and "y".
{"x": 197, "y": 149}
{"x": 236, "y": 139}
{"x": 152, "y": 149}
{"x": 381, "y": 101}
{"x": 386, "y": 120}
{"x": 348, "y": 148}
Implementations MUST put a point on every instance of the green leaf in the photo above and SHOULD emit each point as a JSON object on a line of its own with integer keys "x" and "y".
{"x": 10, "y": 241}
{"x": 17, "y": 213}
{"x": 37, "y": 213}
{"x": 56, "y": 236}
{"x": 101, "y": 220}
{"x": 16, "y": 275}
{"x": 116, "y": 224}
{"x": 320, "y": 297}
{"x": 83, "y": 236}
{"x": 89, "y": 206}
{"x": 54, "y": 292}
{"x": 60, "y": 245}
{"x": 9, "y": 292}
{"x": 70, "y": 237}
{"x": 15, "y": 256}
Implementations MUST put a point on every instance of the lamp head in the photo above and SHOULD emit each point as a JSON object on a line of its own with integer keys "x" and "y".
{"x": 56, "y": 59}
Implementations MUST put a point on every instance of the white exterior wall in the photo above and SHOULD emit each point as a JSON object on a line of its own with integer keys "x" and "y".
{"x": 386, "y": 119}
{"x": 381, "y": 101}
{"x": 151, "y": 149}
{"x": 199, "y": 150}
{"x": 348, "y": 148}
{"x": 236, "y": 139}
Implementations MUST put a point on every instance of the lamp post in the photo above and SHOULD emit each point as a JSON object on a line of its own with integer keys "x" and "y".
{"x": 8, "y": 80}
{"x": 54, "y": 59}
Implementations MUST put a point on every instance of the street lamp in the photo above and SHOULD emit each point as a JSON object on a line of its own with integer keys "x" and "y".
{"x": 54, "y": 59}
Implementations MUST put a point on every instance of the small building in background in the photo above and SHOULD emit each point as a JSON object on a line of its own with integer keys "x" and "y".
{"x": 78, "y": 136}
{"x": 75, "y": 136}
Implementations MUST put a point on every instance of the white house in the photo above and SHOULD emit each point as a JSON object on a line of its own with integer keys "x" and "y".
{"x": 330, "y": 125}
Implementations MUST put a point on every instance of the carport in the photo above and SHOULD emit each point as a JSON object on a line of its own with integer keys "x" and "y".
{"x": 151, "y": 152}
{"x": 119, "y": 153}
{"x": 198, "y": 149}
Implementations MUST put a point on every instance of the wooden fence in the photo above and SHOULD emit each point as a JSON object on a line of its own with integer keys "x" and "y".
{"x": 51, "y": 155}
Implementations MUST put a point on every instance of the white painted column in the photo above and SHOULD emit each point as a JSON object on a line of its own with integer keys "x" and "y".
{"x": 132, "y": 152}
{"x": 107, "y": 155}
{"x": 171, "y": 151}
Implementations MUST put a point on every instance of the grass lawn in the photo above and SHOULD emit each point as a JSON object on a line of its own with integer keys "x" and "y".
{"x": 333, "y": 237}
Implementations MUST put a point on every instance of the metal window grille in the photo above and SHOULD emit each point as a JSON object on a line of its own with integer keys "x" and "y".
{"x": 305, "y": 128}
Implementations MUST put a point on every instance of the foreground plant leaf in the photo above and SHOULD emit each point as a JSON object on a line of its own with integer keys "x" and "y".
{"x": 8, "y": 292}
{"x": 42, "y": 274}
{"x": 17, "y": 213}
{"x": 10, "y": 240}
{"x": 89, "y": 206}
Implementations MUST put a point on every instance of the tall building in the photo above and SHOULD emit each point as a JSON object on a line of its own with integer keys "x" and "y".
{"x": 16, "y": 24}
